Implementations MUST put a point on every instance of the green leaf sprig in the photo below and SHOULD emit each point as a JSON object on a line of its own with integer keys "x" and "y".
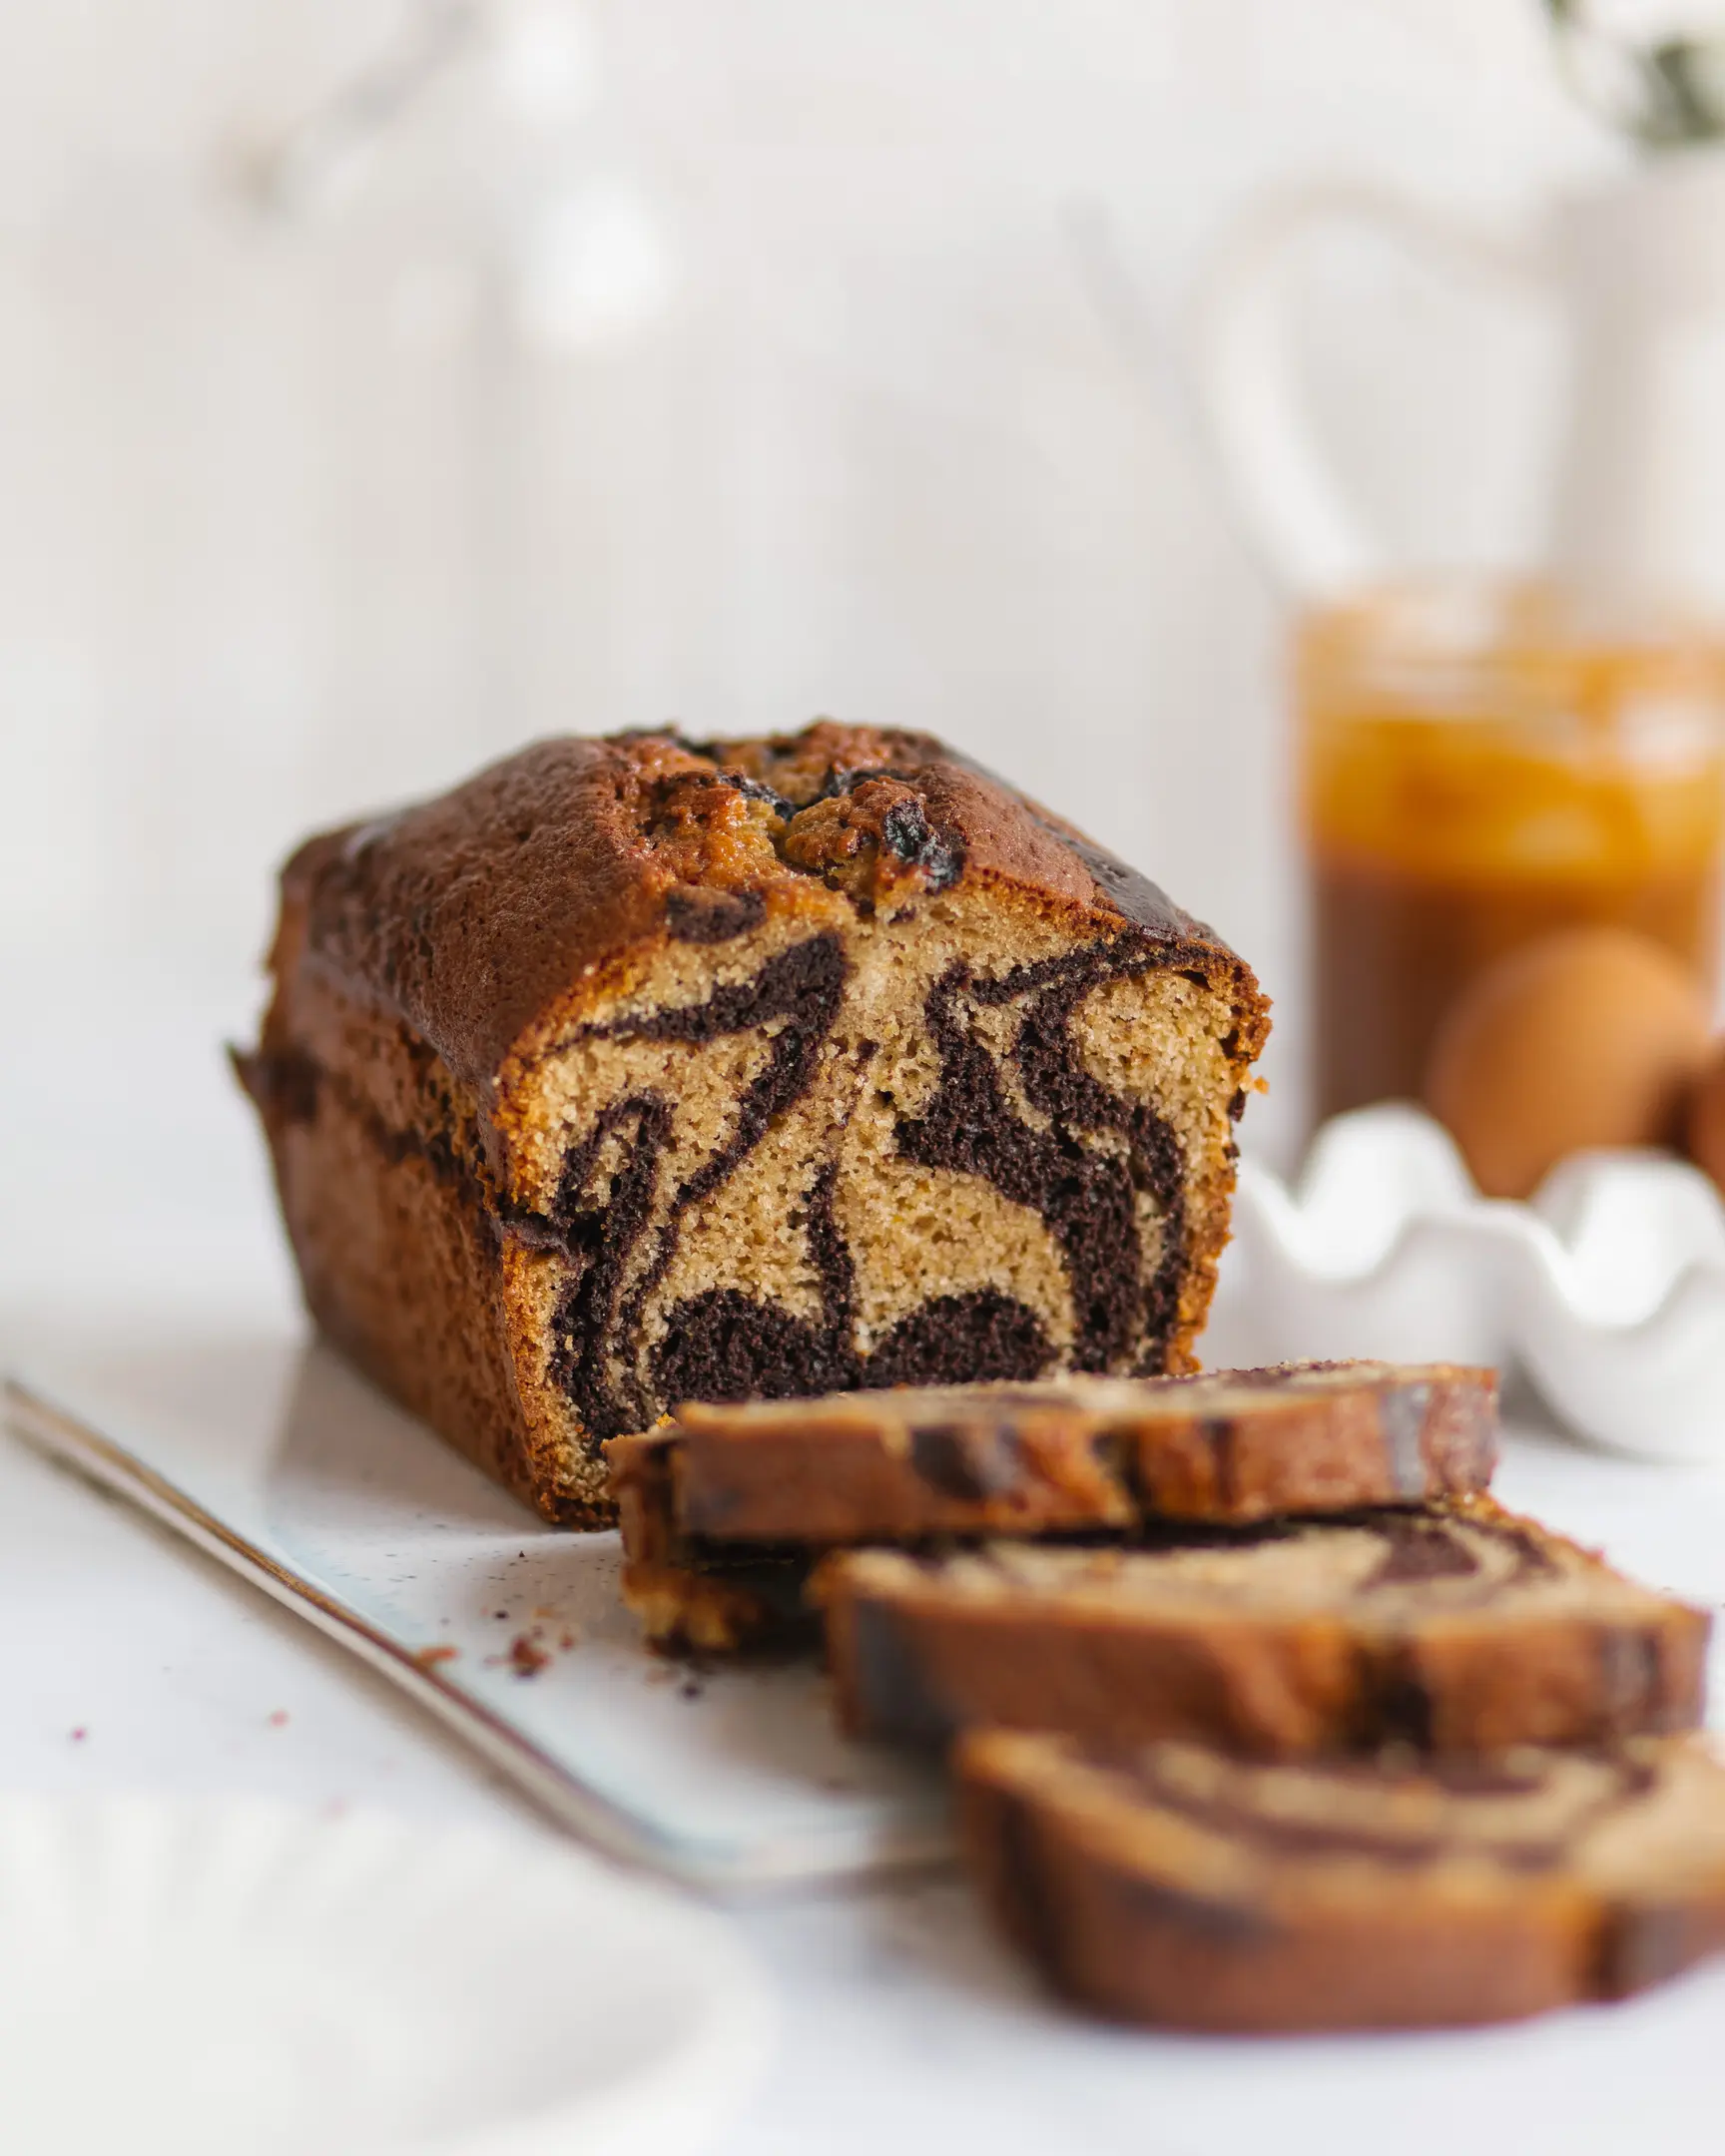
{"x": 1667, "y": 95}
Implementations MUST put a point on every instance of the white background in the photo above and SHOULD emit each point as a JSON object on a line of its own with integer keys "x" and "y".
{"x": 730, "y": 361}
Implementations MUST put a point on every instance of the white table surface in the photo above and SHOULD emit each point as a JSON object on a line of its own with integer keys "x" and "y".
{"x": 128, "y": 1661}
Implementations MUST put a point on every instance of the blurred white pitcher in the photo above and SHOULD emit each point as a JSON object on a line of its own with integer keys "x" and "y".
{"x": 1636, "y": 269}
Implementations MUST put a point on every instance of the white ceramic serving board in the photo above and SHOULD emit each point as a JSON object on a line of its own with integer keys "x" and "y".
{"x": 272, "y": 1455}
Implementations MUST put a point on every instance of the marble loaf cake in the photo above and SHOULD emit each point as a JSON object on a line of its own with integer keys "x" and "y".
{"x": 637, "y": 1071}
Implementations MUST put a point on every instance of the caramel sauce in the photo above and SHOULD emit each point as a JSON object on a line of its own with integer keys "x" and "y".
{"x": 1477, "y": 772}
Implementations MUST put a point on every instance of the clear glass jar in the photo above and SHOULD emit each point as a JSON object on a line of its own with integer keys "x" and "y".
{"x": 1480, "y": 766}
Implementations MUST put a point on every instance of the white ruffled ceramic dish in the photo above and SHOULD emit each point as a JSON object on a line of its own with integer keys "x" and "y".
{"x": 247, "y": 1979}
{"x": 1607, "y": 1289}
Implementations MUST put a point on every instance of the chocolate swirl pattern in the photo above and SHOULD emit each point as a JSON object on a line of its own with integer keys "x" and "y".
{"x": 1521, "y": 1809}
{"x": 1086, "y": 1195}
{"x": 1176, "y": 1886}
{"x": 1103, "y": 1173}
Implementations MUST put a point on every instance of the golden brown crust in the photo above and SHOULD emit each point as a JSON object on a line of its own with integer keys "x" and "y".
{"x": 1124, "y": 1909}
{"x": 1337, "y": 1437}
{"x": 474, "y": 914}
{"x": 400, "y": 1265}
{"x": 1070, "y": 1454}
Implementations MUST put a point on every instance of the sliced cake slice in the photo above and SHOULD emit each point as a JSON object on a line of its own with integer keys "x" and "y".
{"x": 1456, "y": 1628}
{"x": 702, "y": 1500}
{"x": 1173, "y": 1884}
{"x": 746, "y": 1598}
{"x": 642, "y": 1070}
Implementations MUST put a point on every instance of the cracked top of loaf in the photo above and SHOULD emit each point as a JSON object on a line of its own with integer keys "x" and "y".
{"x": 476, "y": 915}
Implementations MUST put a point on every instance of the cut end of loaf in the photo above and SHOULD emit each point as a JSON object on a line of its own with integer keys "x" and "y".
{"x": 912, "y": 1151}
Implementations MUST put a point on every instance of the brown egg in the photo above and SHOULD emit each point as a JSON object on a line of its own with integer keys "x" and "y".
{"x": 1590, "y": 1038}
{"x": 1705, "y": 1123}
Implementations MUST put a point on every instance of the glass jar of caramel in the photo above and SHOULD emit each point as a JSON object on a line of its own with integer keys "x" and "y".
{"x": 1481, "y": 765}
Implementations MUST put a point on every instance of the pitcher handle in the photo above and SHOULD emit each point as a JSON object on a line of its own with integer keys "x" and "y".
{"x": 1313, "y": 535}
